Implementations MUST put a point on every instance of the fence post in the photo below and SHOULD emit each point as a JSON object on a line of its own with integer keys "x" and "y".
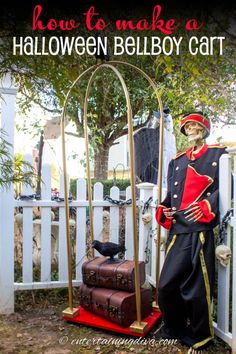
{"x": 46, "y": 229}
{"x": 114, "y": 215}
{"x": 146, "y": 190}
{"x": 223, "y": 273}
{"x": 80, "y": 228}
{"x": 233, "y": 224}
{"x": 62, "y": 255}
{"x": 28, "y": 230}
{"x": 8, "y": 94}
{"x": 129, "y": 253}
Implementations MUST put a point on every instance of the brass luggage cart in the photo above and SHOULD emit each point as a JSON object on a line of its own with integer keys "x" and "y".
{"x": 78, "y": 315}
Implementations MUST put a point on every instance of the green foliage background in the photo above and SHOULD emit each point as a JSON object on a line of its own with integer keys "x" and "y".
{"x": 122, "y": 184}
{"x": 185, "y": 82}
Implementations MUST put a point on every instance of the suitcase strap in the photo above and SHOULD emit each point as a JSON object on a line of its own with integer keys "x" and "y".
{"x": 114, "y": 311}
{"x": 119, "y": 277}
{"x": 114, "y": 278}
{"x": 103, "y": 307}
{"x": 92, "y": 277}
{"x": 86, "y": 299}
{"x": 126, "y": 280}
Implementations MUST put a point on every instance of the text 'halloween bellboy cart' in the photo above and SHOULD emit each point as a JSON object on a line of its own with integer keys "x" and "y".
{"x": 79, "y": 315}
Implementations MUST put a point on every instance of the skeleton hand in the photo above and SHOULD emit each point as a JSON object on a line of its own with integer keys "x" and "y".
{"x": 168, "y": 213}
{"x": 193, "y": 213}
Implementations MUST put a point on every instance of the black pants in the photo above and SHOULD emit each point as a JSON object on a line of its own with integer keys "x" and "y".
{"x": 186, "y": 285}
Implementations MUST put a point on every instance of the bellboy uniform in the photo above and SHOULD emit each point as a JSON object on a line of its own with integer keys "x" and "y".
{"x": 187, "y": 277}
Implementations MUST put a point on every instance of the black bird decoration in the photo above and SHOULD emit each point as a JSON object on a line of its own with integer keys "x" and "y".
{"x": 100, "y": 54}
{"x": 108, "y": 249}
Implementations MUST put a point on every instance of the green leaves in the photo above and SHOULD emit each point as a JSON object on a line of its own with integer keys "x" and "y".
{"x": 186, "y": 82}
{"x": 13, "y": 169}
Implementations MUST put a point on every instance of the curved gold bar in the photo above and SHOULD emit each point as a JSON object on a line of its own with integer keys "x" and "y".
{"x": 69, "y": 312}
{"x": 140, "y": 326}
{"x": 160, "y": 165}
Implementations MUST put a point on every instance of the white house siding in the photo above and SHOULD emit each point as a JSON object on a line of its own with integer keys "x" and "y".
{"x": 118, "y": 155}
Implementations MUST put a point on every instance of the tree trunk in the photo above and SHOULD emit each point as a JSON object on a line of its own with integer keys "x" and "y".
{"x": 39, "y": 169}
{"x": 101, "y": 162}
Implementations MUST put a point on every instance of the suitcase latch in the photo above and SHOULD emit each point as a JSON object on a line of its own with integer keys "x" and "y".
{"x": 91, "y": 276}
{"x": 113, "y": 311}
{"x": 99, "y": 306}
{"x": 85, "y": 300}
{"x": 121, "y": 279}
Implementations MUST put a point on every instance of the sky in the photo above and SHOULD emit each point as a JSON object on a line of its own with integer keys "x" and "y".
{"x": 228, "y": 134}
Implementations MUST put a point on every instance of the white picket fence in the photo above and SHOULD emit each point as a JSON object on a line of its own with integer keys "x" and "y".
{"x": 81, "y": 204}
{"x": 147, "y": 247}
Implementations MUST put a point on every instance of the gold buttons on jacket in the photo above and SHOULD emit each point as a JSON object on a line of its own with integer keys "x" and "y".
{"x": 214, "y": 164}
{"x": 173, "y": 208}
{"x": 174, "y": 221}
{"x": 176, "y": 183}
{"x": 208, "y": 194}
{"x": 177, "y": 168}
{"x": 175, "y": 196}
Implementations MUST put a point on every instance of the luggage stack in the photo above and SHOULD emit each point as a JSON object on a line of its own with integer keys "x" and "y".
{"x": 108, "y": 290}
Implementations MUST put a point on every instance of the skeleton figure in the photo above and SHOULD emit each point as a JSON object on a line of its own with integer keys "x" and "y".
{"x": 223, "y": 254}
{"x": 190, "y": 211}
{"x": 106, "y": 226}
{"x": 106, "y": 216}
{"x": 19, "y": 219}
{"x": 163, "y": 239}
{"x": 147, "y": 217}
{"x": 195, "y": 133}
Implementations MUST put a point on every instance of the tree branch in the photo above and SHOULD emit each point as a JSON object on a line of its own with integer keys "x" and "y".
{"x": 122, "y": 132}
{"x": 73, "y": 134}
{"x": 221, "y": 27}
{"x": 31, "y": 98}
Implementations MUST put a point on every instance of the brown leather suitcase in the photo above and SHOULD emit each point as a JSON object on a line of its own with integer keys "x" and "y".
{"x": 119, "y": 275}
{"x": 116, "y": 306}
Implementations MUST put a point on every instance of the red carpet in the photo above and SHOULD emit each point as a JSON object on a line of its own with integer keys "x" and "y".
{"x": 89, "y": 319}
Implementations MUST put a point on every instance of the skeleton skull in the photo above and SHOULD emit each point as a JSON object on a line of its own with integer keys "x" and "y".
{"x": 163, "y": 239}
{"x": 19, "y": 219}
{"x": 194, "y": 131}
{"x": 223, "y": 254}
{"x": 72, "y": 222}
{"x": 106, "y": 215}
{"x": 147, "y": 217}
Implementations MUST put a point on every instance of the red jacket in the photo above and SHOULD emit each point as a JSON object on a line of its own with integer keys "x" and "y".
{"x": 192, "y": 181}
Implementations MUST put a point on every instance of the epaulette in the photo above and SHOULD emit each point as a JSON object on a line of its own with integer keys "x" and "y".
{"x": 179, "y": 154}
{"x": 218, "y": 146}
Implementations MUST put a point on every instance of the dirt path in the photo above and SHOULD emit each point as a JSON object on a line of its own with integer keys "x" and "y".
{"x": 38, "y": 327}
